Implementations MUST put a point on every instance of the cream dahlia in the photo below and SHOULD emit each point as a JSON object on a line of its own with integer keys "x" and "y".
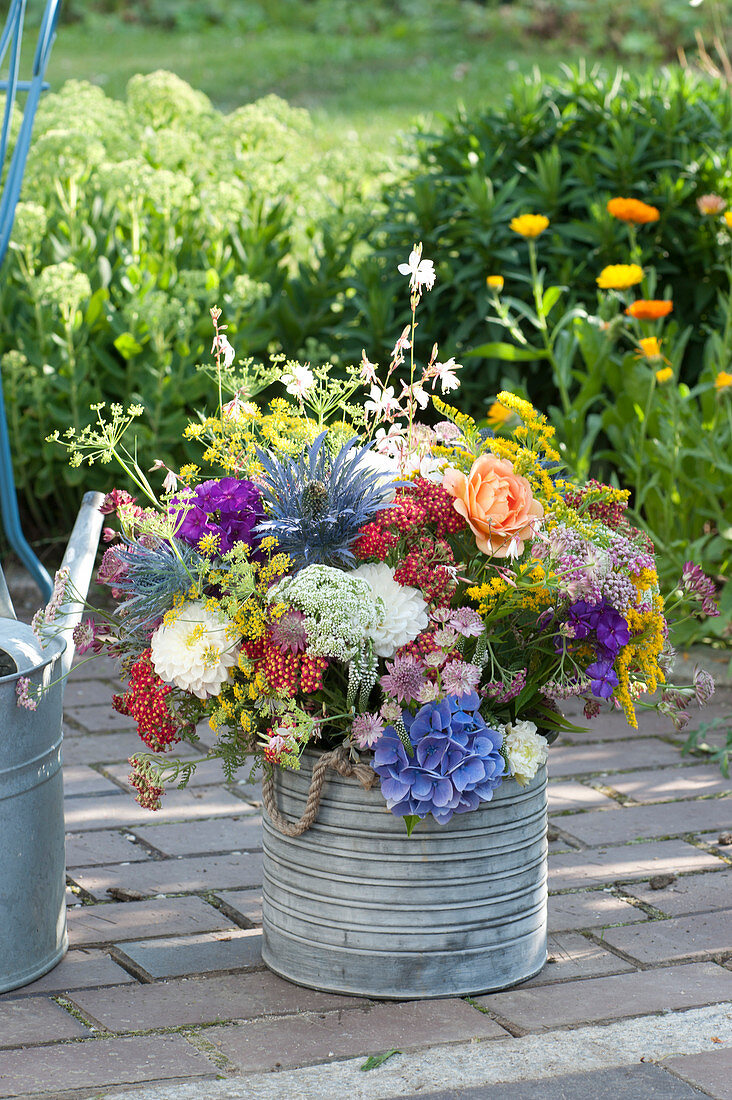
{"x": 525, "y": 750}
{"x": 405, "y": 614}
{"x": 194, "y": 651}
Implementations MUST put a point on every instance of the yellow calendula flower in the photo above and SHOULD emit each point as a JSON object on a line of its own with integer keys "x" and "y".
{"x": 619, "y": 276}
{"x": 529, "y": 225}
{"x": 498, "y": 415}
{"x": 665, "y": 374}
{"x": 649, "y": 348}
{"x": 728, "y": 218}
{"x": 494, "y": 282}
{"x": 723, "y": 381}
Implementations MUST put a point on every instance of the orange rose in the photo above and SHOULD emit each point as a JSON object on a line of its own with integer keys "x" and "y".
{"x": 496, "y": 503}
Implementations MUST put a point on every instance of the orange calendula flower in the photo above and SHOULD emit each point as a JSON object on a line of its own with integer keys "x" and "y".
{"x": 649, "y": 348}
{"x": 728, "y": 218}
{"x": 529, "y": 225}
{"x": 498, "y": 415}
{"x": 723, "y": 381}
{"x": 494, "y": 282}
{"x": 633, "y": 210}
{"x": 649, "y": 309}
{"x": 619, "y": 276}
{"x": 665, "y": 374}
{"x": 710, "y": 204}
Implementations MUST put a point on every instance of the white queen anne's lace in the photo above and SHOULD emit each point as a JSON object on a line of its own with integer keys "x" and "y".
{"x": 405, "y": 615}
{"x": 195, "y": 651}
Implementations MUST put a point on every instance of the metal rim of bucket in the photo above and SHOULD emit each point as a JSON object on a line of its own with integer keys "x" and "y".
{"x": 60, "y": 648}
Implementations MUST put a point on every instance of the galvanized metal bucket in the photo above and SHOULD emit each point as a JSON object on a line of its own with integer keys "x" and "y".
{"x": 32, "y": 879}
{"x": 32, "y": 844}
{"x": 353, "y": 905}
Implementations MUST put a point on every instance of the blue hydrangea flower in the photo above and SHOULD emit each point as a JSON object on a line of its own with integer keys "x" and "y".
{"x": 457, "y": 761}
{"x": 317, "y": 503}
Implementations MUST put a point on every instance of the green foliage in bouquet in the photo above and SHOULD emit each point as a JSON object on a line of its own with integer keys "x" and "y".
{"x": 562, "y": 145}
{"x": 136, "y": 214}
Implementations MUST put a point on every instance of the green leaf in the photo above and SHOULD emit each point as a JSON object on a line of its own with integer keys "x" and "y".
{"x": 508, "y": 352}
{"x": 127, "y": 345}
{"x": 410, "y": 820}
{"x": 552, "y": 294}
{"x": 377, "y": 1060}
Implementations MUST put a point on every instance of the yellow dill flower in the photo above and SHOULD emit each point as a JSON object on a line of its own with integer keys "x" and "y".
{"x": 189, "y": 472}
{"x": 209, "y": 544}
{"x": 529, "y": 225}
{"x": 619, "y": 276}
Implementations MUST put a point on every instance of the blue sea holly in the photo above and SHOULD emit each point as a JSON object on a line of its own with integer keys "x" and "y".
{"x": 317, "y": 503}
{"x": 455, "y": 762}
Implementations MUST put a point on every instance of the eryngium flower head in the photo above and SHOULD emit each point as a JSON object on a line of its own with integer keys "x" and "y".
{"x": 457, "y": 761}
{"x": 317, "y": 503}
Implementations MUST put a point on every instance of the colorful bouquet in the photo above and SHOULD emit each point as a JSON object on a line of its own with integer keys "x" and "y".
{"x": 376, "y": 572}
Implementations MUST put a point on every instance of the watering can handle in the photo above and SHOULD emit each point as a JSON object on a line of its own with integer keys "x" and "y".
{"x": 7, "y": 611}
{"x": 79, "y": 559}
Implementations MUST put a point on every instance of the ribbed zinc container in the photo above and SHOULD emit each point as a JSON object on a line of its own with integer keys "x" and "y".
{"x": 32, "y": 855}
{"x": 355, "y": 906}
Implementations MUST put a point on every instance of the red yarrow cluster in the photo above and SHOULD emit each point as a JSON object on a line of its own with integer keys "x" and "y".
{"x": 147, "y": 795}
{"x": 612, "y": 514}
{"x": 145, "y": 701}
{"x": 287, "y": 673}
{"x": 426, "y": 567}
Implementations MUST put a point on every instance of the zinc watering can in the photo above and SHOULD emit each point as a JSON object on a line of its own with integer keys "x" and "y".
{"x": 32, "y": 850}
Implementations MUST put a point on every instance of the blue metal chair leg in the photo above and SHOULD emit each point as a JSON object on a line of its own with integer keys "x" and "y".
{"x": 10, "y": 514}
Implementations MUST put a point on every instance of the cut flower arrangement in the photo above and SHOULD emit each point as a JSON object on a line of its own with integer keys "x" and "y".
{"x": 363, "y": 571}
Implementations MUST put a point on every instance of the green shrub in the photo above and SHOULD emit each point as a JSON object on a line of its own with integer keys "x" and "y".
{"x": 137, "y": 217}
{"x": 561, "y": 147}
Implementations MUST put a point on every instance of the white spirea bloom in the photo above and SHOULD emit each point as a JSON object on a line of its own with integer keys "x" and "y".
{"x": 195, "y": 651}
{"x": 405, "y": 612}
{"x": 526, "y": 750}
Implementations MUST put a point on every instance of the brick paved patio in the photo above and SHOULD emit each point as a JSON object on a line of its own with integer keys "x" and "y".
{"x": 170, "y": 987}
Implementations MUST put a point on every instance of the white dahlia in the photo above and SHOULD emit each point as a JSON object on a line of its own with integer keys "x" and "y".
{"x": 195, "y": 651}
{"x": 525, "y": 749}
{"x": 405, "y": 614}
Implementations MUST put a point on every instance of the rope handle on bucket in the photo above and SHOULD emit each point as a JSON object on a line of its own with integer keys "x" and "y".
{"x": 340, "y": 761}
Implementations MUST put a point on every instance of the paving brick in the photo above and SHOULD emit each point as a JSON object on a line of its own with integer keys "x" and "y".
{"x": 222, "y": 834}
{"x": 711, "y": 1070}
{"x": 174, "y": 876}
{"x": 204, "y": 952}
{"x": 713, "y": 837}
{"x": 81, "y": 780}
{"x": 97, "y": 1063}
{"x": 29, "y": 1020}
{"x": 271, "y": 1044}
{"x": 573, "y": 956}
{"x": 87, "y": 693}
{"x": 98, "y": 718}
{"x": 612, "y": 998}
{"x": 117, "y": 921}
{"x": 79, "y": 969}
{"x": 102, "y": 846}
{"x": 644, "y": 1082}
{"x": 97, "y": 668}
{"x": 121, "y": 810}
{"x": 641, "y": 752}
{"x": 671, "y": 783}
{"x": 247, "y": 903}
{"x": 98, "y": 748}
{"x": 628, "y": 823}
{"x": 570, "y": 795}
{"x": 626, "y": 862}
{"x": 205, "y": 1000}
{"x": 690, "y": 937}
{"x": 589, "y": 909}
{"x": 689, "y": 894}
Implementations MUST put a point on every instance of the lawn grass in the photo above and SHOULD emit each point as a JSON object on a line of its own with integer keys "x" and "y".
{"x": 374, "y": 84}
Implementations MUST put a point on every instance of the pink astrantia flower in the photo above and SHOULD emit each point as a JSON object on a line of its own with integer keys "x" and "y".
{"x": 466, "y": 622}
{"x": 367, "y": 729}
{"x": 289, "y": 632}
{"x": 460, "y": 678}
{"x": 403, "y": 679}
